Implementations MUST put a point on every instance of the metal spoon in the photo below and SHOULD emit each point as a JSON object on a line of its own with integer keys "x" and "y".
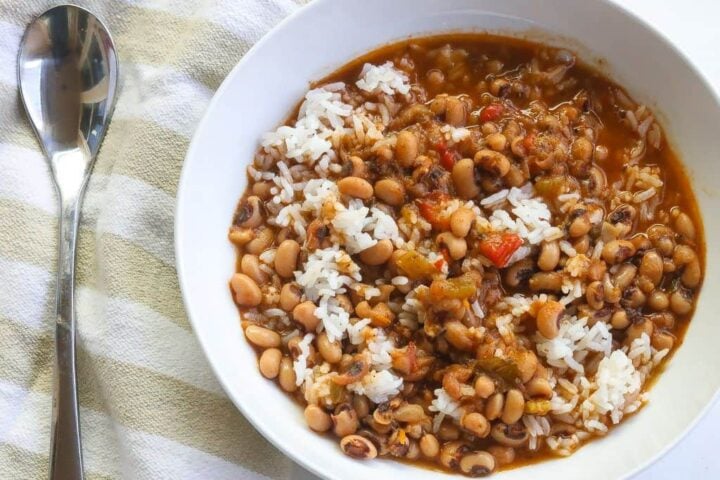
{"x": 67, "y": 75}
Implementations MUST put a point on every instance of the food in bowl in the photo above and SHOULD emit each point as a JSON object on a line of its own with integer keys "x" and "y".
{"x": 469, "y": 251}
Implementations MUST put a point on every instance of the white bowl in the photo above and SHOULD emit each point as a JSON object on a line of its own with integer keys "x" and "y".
{"x": 321, "y": 37}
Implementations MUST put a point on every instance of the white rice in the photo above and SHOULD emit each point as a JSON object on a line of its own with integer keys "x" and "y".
{"x": 383, "y": 78}
{"x": 567, "y": 248}
{"x": 361, "y": 227}
{"x": 328, "y": 272}
{"x": 454, "y": 134}
{"x": 574, "y": 341}
{"x": 532, "y": 215}
{"x": 355, "y": 331}
{"x": 300, "y": 363}
{"x": 400, "y": 280}
{"x": 616, "y": 378}
{"x": 444, "y": 405}
{"x": 379, "y": 386}
{"x": 321, "y": 114}
{"x": 380, "y": 347}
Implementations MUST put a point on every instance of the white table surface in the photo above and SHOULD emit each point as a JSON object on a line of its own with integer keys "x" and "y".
{"x": 692, "y": 26}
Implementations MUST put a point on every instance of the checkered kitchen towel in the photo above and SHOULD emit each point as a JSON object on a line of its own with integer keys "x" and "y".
{"x": 151, "y": 407}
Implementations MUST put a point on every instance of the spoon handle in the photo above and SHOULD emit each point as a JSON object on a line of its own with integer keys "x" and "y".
{"x": 66, "y": 451}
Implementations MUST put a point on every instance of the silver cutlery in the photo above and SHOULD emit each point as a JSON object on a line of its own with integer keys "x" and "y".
{"x": 67, "y": 76}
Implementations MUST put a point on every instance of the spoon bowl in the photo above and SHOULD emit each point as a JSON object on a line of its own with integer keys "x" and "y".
{"x": 67, "y": 75}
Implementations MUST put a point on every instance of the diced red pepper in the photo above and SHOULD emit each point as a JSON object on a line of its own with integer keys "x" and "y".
{"x": 431, "y": 208}
{"x": 448, "y": 156}
{"x": 499, "y": 247}
{"x": 492, "y": 112}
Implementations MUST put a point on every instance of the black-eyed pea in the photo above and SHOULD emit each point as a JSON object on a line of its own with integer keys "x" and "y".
{"x": 261, "y": 242}
{"x": 463, "y": 177}
{"x": 249, "y": 213}
{"x": 247, "y": 293}
{"x": 476, "y": 423}
{"x": 519, "y": 272}
{"x": 662, "y": 340}
{"x": 355, "y": 187}
{"x": 619, "y": 320}
{"x": 527, "y": 364}
{"x": 455, "y": 112}
{"x": 409, "y": 413}
{"x": 361, "y": 405}
{"x": 549, "y": 256}
{"x": 582, "y": 244}
{"x": 684, "y": 226}
{"x": 484, "y": 386}
{"x": 546, "y": 281}
{"x": 457, "y": 246}
{"x": 651, "y": 266}
{"x": 448, "y": 432}
{"x": 358, "y": 447}
{"x": 582, "y": 149}
{"x": 269, "y": 362}
{"x": 286, "y": 376}
{"x": 617, "y": 251}
{"x": 262, "y": 190}
{"x": 580, "y": 225}
{"x": 548, "y": 319}
{"x": 290, "y": 296}
{"x": 435, "y": 77}
{"x": 304, "y": 314}
{"x": 539, "y": 387}
{"x": 378, "y": 253}
{"x": 503, "y": 455}
{"x": 595, "y": 295}
{"x": 514, "y": 406}
{"x": 262, "y": 337}
{"x": 460, "y": 222}
{"x": 250, "y": 266}
{"x": 601, "y": 153}
{"x": 286, "y": 258}
{"x": 493, "y": 162}
{"x": 451, "y": 452}
{"x": 317, "y": 418}
{"x": 638, "y": 328}
{"x": 330, "y": 351}
{"x": 477, "y": 464}
{"x": 663, "y": 320}
{"x": 496, "y": 141}
{"x": 692, "y": 274}
{"x": 499, "y": 87}
{"x": 515, "y": 435}
{"x": 406, "y": 148}
{"x": 358, "y": 167}
{"x": 681, "y": 302}
{"x": 624, "y": 275}
{"x": 458, "y": 336}
{"x": 494, "y": 406}
{"x": 658, "y": 300}
{"x": 345, "y": 420}
{"x": 241, "y": 236}
{"x": 683, "y": 255}
{"x": 390, "y": 191}
{"x": 429, "y": 445}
